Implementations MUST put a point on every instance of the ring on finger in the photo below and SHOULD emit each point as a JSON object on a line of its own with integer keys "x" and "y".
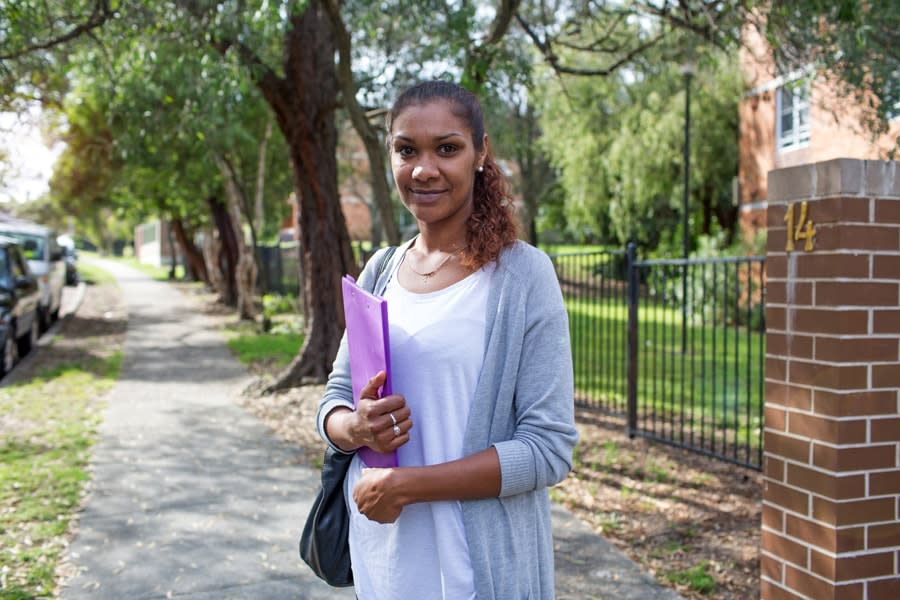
{"x": 397, "y": 431}
{"x": 393, "y": 419}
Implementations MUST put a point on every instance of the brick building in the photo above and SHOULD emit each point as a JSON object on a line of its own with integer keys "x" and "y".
{"x": 790, "y": 120}
{"x": 153, "y": 243}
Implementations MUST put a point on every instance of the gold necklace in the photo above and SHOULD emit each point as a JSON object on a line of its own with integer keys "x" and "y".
{"x": 426, "y": 276}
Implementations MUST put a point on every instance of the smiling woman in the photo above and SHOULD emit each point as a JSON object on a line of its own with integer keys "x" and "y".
{"x": 482, "y": 418}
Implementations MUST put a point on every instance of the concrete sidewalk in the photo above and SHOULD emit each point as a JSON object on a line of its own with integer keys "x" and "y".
{"x": 192, "y": 497}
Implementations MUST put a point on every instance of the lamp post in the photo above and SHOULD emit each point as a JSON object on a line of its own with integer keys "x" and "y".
{"x": 687, "y": 71}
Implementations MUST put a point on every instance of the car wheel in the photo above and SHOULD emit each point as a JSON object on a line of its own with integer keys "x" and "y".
{"x": 34, "y": 335}
{"x": 10, "y": 353}
{"x": 29, "y": 341}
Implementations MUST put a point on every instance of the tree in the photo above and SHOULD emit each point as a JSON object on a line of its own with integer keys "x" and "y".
{"x": 617, "y": 143}
{"x": 512, "y": 116}
{"x": 288, "y": 52}
{"x": 303, "y": 100}
{"x": 854, "y": 42}
{"x": 372, "y": 142}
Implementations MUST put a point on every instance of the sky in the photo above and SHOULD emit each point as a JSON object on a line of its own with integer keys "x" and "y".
{"x": 30, "y": 160}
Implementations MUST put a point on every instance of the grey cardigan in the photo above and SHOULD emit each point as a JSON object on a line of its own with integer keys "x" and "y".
{"x": 523, "y": 406}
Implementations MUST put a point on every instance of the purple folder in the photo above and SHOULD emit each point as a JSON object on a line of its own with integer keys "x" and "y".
{"x": 370, "y": 351}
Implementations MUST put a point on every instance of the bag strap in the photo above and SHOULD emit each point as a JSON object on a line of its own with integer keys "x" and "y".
{"x": 385, "y": 259}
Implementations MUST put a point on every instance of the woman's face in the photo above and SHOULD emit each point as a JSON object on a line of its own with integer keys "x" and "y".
{"x": 434, "y": 162}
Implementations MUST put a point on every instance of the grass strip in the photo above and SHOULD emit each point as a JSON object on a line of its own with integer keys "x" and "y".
{"x": 266, "y": 348}
{"x": 160, "y": 273}
{"x": 48, "y": 426}
{"x": 92, "y": 274}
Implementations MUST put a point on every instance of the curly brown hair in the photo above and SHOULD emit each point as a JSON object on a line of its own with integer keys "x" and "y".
{"x": 491, "y": 227}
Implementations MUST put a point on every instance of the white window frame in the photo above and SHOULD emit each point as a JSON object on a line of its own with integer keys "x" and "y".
{"x": 893, "y": 113}
{"x": 796, "y": 137}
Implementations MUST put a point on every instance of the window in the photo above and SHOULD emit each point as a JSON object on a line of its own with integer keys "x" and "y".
{"x": 894, "y": 112}
{"x": 6, "y": 279}
{"x": 32, "y": 245}
{"x": 793, "y": 116}
{"x": 148, "y": 232}
{"x": 16, "y": 263}
{"x": 893, "y": 88}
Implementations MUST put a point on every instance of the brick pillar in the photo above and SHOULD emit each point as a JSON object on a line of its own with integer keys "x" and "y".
{"x": 831, "y": 503}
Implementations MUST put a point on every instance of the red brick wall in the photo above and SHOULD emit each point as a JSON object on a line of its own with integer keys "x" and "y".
{"x": 356, "y": 213}
{"x": 835, "y": 130}
{"x": 831, "y": 503}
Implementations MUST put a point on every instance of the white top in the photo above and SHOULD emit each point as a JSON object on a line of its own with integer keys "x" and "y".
{"x": 437, "y": 350}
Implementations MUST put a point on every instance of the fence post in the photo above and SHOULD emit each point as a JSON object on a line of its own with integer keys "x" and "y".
{"x": 631, "y": 258}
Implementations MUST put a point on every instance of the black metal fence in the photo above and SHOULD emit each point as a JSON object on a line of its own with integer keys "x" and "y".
{"x": 676, "y": 346}
{"x": 279, "y": 269}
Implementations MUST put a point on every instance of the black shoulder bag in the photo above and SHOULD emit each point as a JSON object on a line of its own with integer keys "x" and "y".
{"x": 325, "y": 542}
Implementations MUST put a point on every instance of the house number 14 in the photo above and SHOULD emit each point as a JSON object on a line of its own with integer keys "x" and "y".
{"x": 801, "y": 229}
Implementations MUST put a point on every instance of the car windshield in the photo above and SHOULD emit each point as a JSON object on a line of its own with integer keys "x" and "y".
{"x": 5, "y": 278}
{"x": 32, "y": 245}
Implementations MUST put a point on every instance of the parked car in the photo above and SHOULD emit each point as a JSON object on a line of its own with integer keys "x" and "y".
{"x": 45, "y": 259}
{"x": 20, "y": 299}
{"x": 70, "y": 256}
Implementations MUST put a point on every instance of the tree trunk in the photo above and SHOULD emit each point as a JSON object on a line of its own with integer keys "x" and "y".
{"x": 376, "y": 230}
{"x": 727, "y": 216}
{"x": 261, "y": 178}
{"x": 245, "y": 271}
{"x": 304, "y": 103}
{"x": 535, "y": 172}
{"x": 173, "y": 258}
{"x": 212, "y": 250}
{"x": 228, "y": 256}
{"x": 381, "y": 189}
{"x": 258, "y": 210}
{"x": 706, "y": 202}
{"x": 192, "y": 255}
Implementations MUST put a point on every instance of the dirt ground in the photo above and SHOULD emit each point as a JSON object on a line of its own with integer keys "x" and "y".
{"x": 96, "y": 329}
{"x": 691, "y": 521}
{"x": 668, "y": 509}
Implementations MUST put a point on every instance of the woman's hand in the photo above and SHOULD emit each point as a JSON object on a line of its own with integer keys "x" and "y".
{"x": 382, "y": 424}
{"x": 376, "y": 497}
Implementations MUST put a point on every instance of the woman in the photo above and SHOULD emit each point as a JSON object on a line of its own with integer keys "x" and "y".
{"x": 482, "y": 420}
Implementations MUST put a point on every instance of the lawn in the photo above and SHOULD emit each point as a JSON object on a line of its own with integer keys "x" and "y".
{"x": 273, "y": 349}
{"x": 699, "y": 378}
{"x": 48, "y": 424}
{"x": 708, "y": 392}
{"x": 158, "y": 273}
{"x": 91, "y": 274}
{"x": 276, "y": 348}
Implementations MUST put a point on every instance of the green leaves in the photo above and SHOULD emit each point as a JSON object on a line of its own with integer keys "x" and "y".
{"x": 851, "y": 41}
{"x": 617, "y": 143}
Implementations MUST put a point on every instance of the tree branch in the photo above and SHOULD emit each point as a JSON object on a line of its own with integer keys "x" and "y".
{"x": 546, "y": 48}
{"x": 98, "y": 17}
{"x": 500, "y": 25}
{"x": 374, "y": 148}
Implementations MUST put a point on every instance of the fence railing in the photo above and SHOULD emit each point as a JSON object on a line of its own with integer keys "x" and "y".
{"x": 676, "y": 346}
{"x": 279, "y": 269}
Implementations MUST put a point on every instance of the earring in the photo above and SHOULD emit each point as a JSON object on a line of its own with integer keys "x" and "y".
{"x": 481, "y": 168}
